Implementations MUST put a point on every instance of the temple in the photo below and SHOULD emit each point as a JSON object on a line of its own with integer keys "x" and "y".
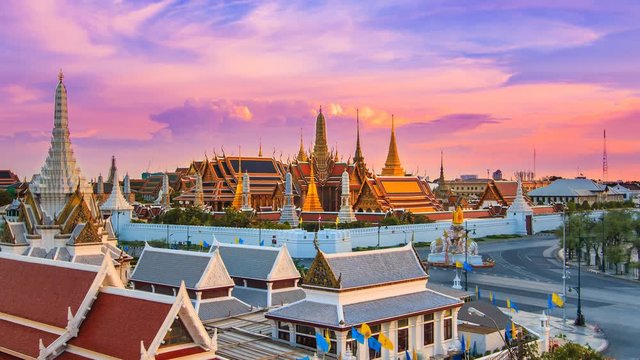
{"x": 385, "y": 289}
{"x": 77, "y": 311}
{"x": 58, "y": 214}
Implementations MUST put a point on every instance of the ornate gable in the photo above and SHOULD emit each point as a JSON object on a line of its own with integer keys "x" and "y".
{"x": 367, "y": 201}
{"x": 81, "y": 214}
{"x": 89, "y": 234}
{"x": 320, "y": 274}
{"x": 7, "y": 236}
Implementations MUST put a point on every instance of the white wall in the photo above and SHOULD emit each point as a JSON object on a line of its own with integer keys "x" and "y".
{"x": 300, "y": 242}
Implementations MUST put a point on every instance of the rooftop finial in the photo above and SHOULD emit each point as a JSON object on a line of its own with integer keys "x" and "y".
{"x": 320, "y": 109}
{"x": 60, "y": 75}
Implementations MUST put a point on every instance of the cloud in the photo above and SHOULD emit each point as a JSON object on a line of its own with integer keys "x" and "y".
{"x": 450, "y": 124}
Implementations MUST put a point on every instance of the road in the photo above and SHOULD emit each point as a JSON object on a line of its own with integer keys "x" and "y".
{"x": 527, "y": 271}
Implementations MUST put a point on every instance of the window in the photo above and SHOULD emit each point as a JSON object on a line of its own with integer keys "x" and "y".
{"x": 283, "y": 331}
{"x": 306, "y": 336}
{"x": 403, "y": 335}
{"x": 448, "y": 328}
{"x": 428, "y": 329}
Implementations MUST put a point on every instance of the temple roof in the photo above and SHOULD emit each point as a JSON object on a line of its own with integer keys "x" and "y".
{"x": 371, "y": 311}
{"x": 258, "y": 262}
{"x": 365, "y": 268}
{"x": 199, "y": 271}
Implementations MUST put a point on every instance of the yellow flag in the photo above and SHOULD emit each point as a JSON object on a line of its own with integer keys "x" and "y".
{"x": 514, "y": 331}
{"x": 458, "y": 264}
{"x": 385, "y": 342}
{"x": 365, "y": 330}
{"x": 508, "y": 303}
{"x": 201, "y": 243}
{"x": 557, "y": 300}
{"x": 328, "y": 338}
{"x": 337, "y": 220}
{"x": 236, "y": 240}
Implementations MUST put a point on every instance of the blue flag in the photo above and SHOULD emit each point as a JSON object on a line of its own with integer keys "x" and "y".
{"x": 126, "y": 248}
{"x": 355, "y": 334}
{"x": 375, "y": 344}
{"x": 474, "y": 352}
{"x": 240, "y": 241}
{"x": 514, "y": 306}
{"x": 463, "y": 345}
{"x": 322, "y": 342}
{"x": 507, "y": 332}
{"x": 406, "y": 355}
{"x": 467, "y": 267}
{"x": 549, "y": 302}
{"x": 205, "y": 244}
{"x": 261, "y": 242}
{"x": 305, "y": 358}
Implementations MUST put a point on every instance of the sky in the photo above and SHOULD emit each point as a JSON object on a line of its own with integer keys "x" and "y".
{"x": 161, "y": 83}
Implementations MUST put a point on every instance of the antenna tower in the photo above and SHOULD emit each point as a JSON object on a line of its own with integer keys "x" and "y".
{"x": 605, "y": 166}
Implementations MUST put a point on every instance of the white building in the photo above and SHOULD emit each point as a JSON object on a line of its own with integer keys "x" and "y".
{"x": 576, "y": 190}
{"x": 385, "y": 289}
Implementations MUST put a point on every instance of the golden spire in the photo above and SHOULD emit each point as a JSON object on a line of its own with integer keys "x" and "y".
{"x": 312, "y": 200}
{"x": 392, "y": 166}
{"x": 358, "y": 155}
{"x": 260, "y": 149}
{"x": 336, "y": 158}
{"x": 458, "y": 216}
{"x": 237, "y": 197}
{"x": 302, "y": 155}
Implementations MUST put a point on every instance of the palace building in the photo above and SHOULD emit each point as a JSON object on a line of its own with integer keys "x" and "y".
{"x": 204, "y": 276}
{"x": 68, "y": 310}
{"x": 58, "y": 214}
{"x": 385, "y": 289}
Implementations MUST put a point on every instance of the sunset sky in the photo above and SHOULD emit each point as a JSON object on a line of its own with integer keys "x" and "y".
{"x": 158, "y": 84}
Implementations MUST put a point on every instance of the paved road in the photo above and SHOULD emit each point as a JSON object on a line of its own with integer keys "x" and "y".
{"x": 526, "y": 271}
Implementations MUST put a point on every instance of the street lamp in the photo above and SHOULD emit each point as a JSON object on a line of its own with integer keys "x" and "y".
{"x": 603, "y": 243}
{"x": 564, "y": 265}
{"x": 580, "y": 317}
{"x": 378, "y": 247}
{"x": 473, "y": 311}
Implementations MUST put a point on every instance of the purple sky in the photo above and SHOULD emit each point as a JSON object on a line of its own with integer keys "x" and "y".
{"x": 158, "y": 84}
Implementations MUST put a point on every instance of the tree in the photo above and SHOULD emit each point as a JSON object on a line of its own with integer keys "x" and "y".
{"x": 571, "y": 351}
{"x": 616, "y": 254}
{"x": 5, "y": 198}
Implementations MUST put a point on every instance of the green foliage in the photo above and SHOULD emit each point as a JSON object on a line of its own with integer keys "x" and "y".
{"x": 570, "y": 351}
{"x": 268, "y": 224}
{"x": 354, "y": 225}
{"x": 5, "y": 198}
{"x": 616, "y": 254}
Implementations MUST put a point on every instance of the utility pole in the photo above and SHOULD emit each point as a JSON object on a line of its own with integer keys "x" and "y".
{"x": 466, "y": 254}
{"x": 580, "y": 317}
{"x": 564, "y": 266}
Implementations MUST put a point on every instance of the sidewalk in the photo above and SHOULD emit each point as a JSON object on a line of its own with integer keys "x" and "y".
{"x": 595, "y": 270}
{"x": 587, "y": 335}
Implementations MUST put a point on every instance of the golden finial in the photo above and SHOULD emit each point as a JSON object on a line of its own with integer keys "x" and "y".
{"x": 260, "y": 149}
{"x": 60, "y": 75}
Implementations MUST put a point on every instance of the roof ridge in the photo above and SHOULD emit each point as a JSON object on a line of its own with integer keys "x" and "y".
{"x": 177, "y": 251}
{"x": 368, "y": 252}
{"x": 50, "y": 262}
{"x": 140, "y": 295}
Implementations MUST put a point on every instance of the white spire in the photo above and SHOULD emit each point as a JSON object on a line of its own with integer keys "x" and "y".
{"x": 127, "y": 185}
{"x": 116, "y": 200}
{"x": 60, "y": 175}
{"x": 288, "y": 212}
{"x": 199, "y": 199}
{"x": 246, "y": 196}
{"x": 345, "y": 214}
{"x": 520, "y": 204}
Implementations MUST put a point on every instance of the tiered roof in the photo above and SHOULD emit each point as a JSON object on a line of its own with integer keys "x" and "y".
{"x": 72, "y": 311}
{"x": 502, "y": 192}
{"x": 398, "y": 192}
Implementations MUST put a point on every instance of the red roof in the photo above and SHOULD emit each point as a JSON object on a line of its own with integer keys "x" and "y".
{"x": 121, "y": 320}
{"x": 180, "y": 353}
{"x": 42, "y": 292}
{"x": 23, "y": 339}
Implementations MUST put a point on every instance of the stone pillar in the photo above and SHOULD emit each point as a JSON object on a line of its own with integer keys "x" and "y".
{"x": 246, "y": 193}
{"x": 454, "y": 324}
{"x": 414, "y": 333}
{"x": 389, "y": 330}
{"x": 438, "y": 336}
{"x": 341, "y": 342}
{"x": 269, "y": 293}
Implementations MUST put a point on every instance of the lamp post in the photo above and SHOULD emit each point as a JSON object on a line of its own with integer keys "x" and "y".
{"x": 603, "y": 243}
{"x": 564, "y": 266}
{"x": 466, "y": 255}
{"x": 378, "y": 246}
{"x": 473, "y": 311}
{"x": 580, "y": 317}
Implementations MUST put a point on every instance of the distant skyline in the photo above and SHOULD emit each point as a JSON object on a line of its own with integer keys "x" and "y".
{"x": 158, "y": 84}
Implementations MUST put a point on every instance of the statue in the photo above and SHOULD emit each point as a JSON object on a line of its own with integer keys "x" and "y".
{"x": 455, "y": 245}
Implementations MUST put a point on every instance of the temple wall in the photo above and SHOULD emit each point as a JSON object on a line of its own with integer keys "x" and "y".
{"x": 300, "y": 242}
